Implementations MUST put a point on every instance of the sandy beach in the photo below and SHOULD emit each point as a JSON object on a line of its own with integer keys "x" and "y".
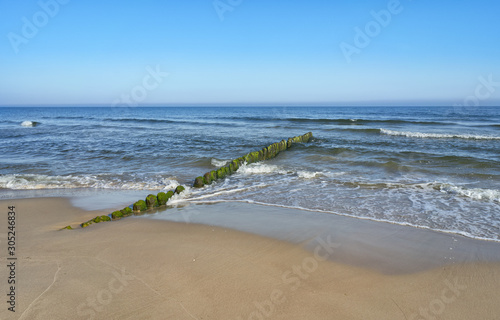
{"x": 249, "y": 160}
{"x": 143, "y": 268}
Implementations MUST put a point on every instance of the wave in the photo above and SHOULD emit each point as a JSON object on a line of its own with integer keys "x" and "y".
{"x": 29, "y": 123}
{"x": 410, "y": 134}
{"x": 401, "y": 223}
{"x": 34, "y": 182}
{"x": 357, "y": 130}
{"x": 263, "y": 168}
{"x": 71, "y": 118}
{"x": 349, "y": 121}
{"x": 218, "y": 163}
{"x": 367, "y": 121}
{"x": 226, "y": 191}
{"x": 472, "y": 193}
{"x": 134, "y": 120}
{"x": 204, "y": 122}
{"x": 437, "y": 135}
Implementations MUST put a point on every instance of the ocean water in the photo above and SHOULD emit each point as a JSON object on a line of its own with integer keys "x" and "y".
{"x": 436, "y": 168}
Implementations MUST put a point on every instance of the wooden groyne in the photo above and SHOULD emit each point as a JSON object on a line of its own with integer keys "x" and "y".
{"x": 265, "y": 154}
{"x": 161, "y": 199}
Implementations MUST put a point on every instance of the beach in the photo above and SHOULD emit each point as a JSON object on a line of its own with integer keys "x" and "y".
{"x": 145, "y": 267}
{"x": 380, "y": 213}
{"x": 249, "y": 160}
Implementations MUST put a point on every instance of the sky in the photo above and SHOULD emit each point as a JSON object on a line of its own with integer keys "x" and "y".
{"x": 249, "y": 52}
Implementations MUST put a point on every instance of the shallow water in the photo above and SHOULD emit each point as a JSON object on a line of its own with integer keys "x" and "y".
{"x": 436, "y": 168}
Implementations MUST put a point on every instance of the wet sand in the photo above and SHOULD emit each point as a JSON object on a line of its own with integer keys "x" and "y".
{"x": 318, "y": 267}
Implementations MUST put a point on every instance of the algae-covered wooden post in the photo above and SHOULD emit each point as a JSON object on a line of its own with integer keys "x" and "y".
{"x": 265, "y": 154}
{"x": 162, "y": 198}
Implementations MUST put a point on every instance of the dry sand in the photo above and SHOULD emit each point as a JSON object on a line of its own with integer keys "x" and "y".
{"x": 140, "y": 268}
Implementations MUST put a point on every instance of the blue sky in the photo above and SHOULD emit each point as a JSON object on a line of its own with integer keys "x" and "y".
{"x": 262, "y": 52}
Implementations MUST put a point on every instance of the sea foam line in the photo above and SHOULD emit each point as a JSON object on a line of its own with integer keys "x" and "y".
{"x": 436, "y": 135}
{"x": 34, "y": 182}
{"x": 400, "y": 223}
{"x": 262, "y": 168}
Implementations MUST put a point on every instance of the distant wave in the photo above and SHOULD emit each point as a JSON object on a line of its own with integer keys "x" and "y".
{"x": 138, "y": 120}
{"x": 71, "y": 118}
{"x": 340, "y": 121}
{"x": 367, "y": 121}
{"x": 34, "y": 181}
{"x": 29, "y": 123}
{"x": 152, "y": 121}
{"x": 357, "y": 130}
{"x": 437, "y": 135}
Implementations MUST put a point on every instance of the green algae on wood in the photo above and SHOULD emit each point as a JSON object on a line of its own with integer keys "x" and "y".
{"x": 179, "y": 189}
{"x": 198, "y": 182}
{"x": 86, "y": 224}
{"x": 152, "y": 201}
{"x": 207, "y": 179}
{"x": 97, "y": 219}
{"x": 213, "y": 175}
{"x": 265, "y": 153}
{"x": 126, "y": 211}
{"x": 162, "y": 198}
{"x": 117, "y": 215}
{"x": 169, "y": 195}
{"x": 101, "y": 219}
{"x": 140, "y": 206}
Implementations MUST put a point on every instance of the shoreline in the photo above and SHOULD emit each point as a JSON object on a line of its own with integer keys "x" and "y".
{"x": 99, "y": 200}
{"x": 363, "y": 243}
{"x": 141, "y": 267}
{"x": 452, "y": 233}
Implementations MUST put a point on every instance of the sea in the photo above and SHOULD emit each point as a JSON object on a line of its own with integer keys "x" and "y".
{"x": 427, "y": 167}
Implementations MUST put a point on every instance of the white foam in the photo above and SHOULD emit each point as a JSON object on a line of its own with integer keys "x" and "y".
{"x": 264, "y": 168}
{"x": 437, "y": 135}
{"x": 260, "y": 168}
{"x": 33, "y": 182}
{"x": 28, "y": 124}
{"x": 308, "y": 174}
{"x": 475, "y": 193}
{"x": 218, "y": 163}
{"x": 179, "y": 198}
{"x": 228, "y": 191}
{"x": 401, "y": 223}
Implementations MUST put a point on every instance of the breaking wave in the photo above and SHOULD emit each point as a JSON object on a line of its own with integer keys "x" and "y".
{"x": 29, "y": 123}
{"x": 437, "y": 135}
{"x": 34, "y": 181}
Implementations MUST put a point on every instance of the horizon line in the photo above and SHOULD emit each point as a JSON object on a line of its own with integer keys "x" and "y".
{"x": 262, "y": 104}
